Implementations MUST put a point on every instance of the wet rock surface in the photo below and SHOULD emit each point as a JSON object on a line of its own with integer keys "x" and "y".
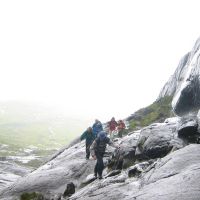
{"x": 184, "y": 84}
{"x": 11, "y": 172}
{"x": 68, "y": 166}
{"x": 172, "y": 177}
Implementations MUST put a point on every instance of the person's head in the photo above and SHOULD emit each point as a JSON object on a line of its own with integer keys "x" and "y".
{"x": 102, "y": 135}
{"x": 96, "y": 120}
{"x": 89, "y": 129}
{"x": 113, "y": 119}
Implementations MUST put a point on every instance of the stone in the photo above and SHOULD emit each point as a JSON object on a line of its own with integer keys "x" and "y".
{"x": 188, "y": 128}
{"x": 70, "y": 189}
{"x": 136, "y": 170}
{"x": 157, "y": 140}
{"x": 89, "y": 179}
{"x": 113, "y": 173}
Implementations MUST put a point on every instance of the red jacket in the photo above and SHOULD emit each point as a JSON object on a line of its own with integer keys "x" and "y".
{"x": 121, "y": 125}
{"x": 112, "y": 125}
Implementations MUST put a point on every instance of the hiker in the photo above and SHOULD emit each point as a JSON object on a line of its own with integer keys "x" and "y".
{"x": 89, "y": 138}
{"x": 112, "y": 124}
{"x": 97, "y": 127}
{"x": 97, "y": 149}
{"x": 121, "y": 127}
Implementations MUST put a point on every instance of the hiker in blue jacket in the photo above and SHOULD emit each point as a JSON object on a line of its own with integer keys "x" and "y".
{"x": 89, "y": 138}
{"x": 97, "y": 127}
{"x": 97, "y": 149}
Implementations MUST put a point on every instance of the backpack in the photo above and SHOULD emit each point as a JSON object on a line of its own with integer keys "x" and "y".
{"x": 101, "y": 145}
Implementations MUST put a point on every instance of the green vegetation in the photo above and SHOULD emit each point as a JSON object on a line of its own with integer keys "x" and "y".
{"x": 156, "y": 112}
{"x": 31, "y": 196}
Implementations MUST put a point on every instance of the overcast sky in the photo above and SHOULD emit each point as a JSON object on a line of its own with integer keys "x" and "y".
{"x": 95, "y": 59}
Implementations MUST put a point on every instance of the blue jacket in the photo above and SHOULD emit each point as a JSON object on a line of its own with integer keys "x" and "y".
{"x": 96, "y": 128}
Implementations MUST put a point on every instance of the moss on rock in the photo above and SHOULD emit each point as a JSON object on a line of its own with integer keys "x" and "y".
{"x": 156, "y": 112}
{"x": 31, "y": 196}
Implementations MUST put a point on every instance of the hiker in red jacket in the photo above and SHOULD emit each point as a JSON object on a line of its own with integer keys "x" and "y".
{"x": 112, "y": 124}
{"x": 121, "y": 127}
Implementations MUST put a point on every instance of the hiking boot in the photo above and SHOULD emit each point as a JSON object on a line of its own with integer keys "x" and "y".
{"x": 95, "y": 175}
{"x": 100, "y": 177}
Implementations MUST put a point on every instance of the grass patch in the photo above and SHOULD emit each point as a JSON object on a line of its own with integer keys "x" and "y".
{"x": 156, "y": 112}
{"x": 31, "y": 196}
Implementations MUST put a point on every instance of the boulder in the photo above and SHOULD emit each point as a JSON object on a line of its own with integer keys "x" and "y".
{"x": 136, "y": 170}
{"x": 157, "y": 140}
{"x": 126, "y": 153}
{"x": 188, "y": 128}
{"x": 70, "y": 189}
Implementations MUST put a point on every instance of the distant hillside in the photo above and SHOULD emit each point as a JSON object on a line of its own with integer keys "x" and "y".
{"x": 25, "y": 124}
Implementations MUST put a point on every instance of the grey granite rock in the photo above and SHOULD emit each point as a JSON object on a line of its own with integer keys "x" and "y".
{"x": 173, "y": 177}
{"x": 175, "y": 80}
{"x": 157, "y": 140}
{"x": 188, "y": 129}
{"x": 11, "y": 172}
{"x": 184, "y": 85}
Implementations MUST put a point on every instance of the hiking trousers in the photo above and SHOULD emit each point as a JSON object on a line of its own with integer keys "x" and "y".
{"x": 87, "y": 149}
{"x": 99, "y": 164}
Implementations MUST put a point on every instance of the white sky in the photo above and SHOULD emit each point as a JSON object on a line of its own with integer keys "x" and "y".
{"x": 95, "y": 59}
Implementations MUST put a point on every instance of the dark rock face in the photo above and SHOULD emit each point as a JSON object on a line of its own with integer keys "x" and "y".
{"x": 188, "y": 100}
{"x": 184, "y": 85}
{"x": 188, "y": 129}
{"x": 70, "y": 189}
{"x": 158, "y": 140}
